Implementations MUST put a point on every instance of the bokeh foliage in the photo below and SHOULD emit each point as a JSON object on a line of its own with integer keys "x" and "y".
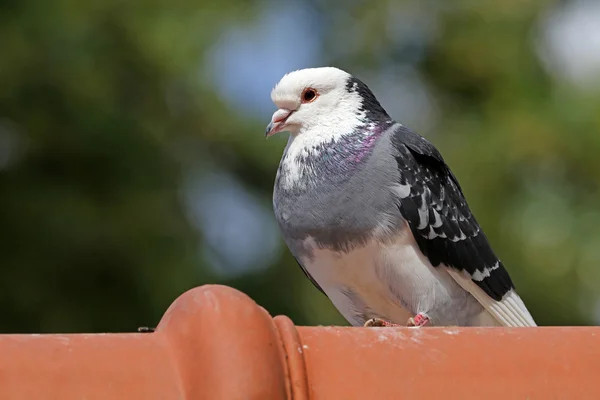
{"x": 104, "y": 108}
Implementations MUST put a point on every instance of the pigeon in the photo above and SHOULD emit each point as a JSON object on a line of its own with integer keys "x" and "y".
{"x": 375, "y": 217}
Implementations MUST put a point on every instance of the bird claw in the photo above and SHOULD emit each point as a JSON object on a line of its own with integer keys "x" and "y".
{"x": 418, "y": 320}
{"x": 373, "y": 322}
{"x": 378, "y": 322}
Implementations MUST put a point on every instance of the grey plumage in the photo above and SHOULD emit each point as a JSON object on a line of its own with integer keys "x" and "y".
{"x": 375, "y": 217}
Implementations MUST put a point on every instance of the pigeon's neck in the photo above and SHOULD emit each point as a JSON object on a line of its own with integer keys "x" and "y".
{"x": 312, "y": 157}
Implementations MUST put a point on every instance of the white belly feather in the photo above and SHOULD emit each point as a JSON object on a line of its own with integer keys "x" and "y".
{"x": 390, "y": 280}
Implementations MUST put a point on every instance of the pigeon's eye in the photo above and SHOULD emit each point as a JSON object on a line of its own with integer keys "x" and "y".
{"x": 309, "y": 95}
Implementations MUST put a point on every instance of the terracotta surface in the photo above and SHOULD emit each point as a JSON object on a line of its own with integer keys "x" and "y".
{"x": 216, "y": 343}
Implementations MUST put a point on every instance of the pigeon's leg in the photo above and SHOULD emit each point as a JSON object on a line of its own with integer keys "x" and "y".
{"x": 378, "y": 322}
{"x": 418, "y": 320}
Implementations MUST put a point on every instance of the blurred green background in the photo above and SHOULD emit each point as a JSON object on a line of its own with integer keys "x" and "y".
{"x": 133, "y": 164}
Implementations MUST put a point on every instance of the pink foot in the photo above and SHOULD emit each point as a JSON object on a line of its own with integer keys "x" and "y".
{"x": 378, "y": 322}
{"x": 418, "y": 320}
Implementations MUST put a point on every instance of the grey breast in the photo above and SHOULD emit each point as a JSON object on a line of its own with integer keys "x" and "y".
{"x": 344, "y": 198}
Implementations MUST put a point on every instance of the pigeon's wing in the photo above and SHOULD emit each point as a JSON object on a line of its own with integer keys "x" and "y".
{"x": 446, "y": 231}
{"x": 310, "y": 278}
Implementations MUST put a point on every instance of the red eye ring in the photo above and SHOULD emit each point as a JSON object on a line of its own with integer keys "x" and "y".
{"x": 309, "y": 95}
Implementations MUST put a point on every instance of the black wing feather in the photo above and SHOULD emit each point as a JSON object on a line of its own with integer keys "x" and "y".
{"x": 438, "y": 215}
{"x": 310, "y": 278}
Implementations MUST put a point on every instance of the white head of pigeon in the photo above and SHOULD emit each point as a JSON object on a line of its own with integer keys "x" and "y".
{"x": 316, "y": 105}
{"x": 375, "y": 217}
{"x": 319, "y": 106}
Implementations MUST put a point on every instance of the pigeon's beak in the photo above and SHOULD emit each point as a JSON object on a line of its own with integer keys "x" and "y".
{"x": 278, "y": 120}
